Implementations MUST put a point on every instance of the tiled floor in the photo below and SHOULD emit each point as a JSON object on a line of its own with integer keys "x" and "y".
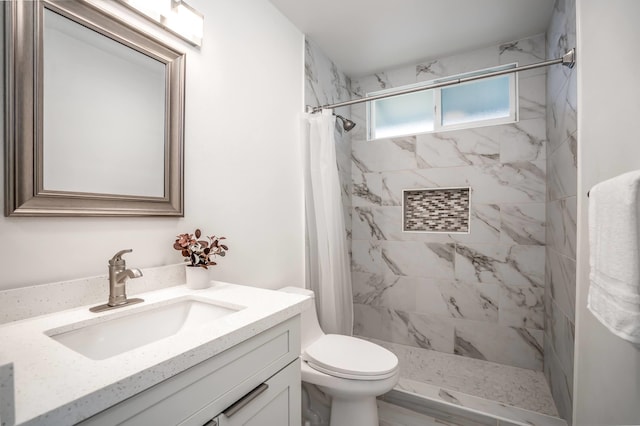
{"x": 442, "y": 389}
{"x": 506, "y": 385}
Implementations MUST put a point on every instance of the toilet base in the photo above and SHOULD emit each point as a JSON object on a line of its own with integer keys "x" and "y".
{"x": 350, "y": 412}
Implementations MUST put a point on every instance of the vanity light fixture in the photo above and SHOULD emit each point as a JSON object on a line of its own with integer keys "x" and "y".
{"x": 175, "y": 16}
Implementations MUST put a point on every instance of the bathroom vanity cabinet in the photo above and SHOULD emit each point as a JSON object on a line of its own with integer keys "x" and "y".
{"x": 256, "y": 382}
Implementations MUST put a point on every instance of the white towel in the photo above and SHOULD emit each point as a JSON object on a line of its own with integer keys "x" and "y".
{"x": 614, "y": 238}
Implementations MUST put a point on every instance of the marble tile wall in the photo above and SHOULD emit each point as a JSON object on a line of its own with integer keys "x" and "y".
{"x": 326, "y": 84}
{"x": 560, "y": 276}
{"x": 480, "y": 294}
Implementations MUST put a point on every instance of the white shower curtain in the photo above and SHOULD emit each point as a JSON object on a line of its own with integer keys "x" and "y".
{"x": 327, "y": 257}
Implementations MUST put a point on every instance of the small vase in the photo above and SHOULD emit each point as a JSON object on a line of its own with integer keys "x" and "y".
{"x": 197, "y": 277}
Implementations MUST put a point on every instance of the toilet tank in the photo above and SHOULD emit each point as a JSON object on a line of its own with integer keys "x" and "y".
{"x": 311, "y": 330}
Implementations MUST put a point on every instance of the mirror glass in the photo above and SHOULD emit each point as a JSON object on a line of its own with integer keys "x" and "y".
{"x": 97, "y": 124}
{"x": 103, "y": 113}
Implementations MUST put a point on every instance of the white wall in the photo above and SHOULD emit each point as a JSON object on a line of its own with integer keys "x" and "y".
{"x": 242, "y": 179}
{"x": 607, "y": 374}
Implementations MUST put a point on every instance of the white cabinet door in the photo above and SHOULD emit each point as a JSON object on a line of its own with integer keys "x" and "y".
{"x": 278, "y": 405}
{"x": 194, "y": 396}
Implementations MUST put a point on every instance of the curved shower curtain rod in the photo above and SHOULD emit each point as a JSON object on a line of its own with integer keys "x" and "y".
{"x": 568, "y": 60}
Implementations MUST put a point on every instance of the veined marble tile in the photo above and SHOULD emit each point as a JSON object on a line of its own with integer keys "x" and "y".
{"x": 522, "y": 307}
{"x": 562, "y": 114}
{"x": 562, "y": 178}
{"x": 490, "y": 184}
{"x": 419, "y": 330}
{"x": 561, "y": 226}
{"x": 358, "y": 116}
{"x": 514, "y": 346}
{"x": 457, "y": 64}
{"x": 414, "y": 259}
{"x": 368, "y": 223}
{"x": 561, "y": 34}
{"x": 385, "y": 223}
{"x": 524, "y": 52}
{"x": 388, "y": 79}
{"x": 440, "y": 402}
{"x": 370, "y": 83}
{"x": 394, "y": 415}
{"x": 392, "y": 292}
{"x": 466, "y": 301}
{"x": 368, "y": 288}
{"x": 456, "y": 148}
{"x": 561, "y": 386}
{"x": 513, "y": 265}
{"x": 394, "y": 183}
{"x": 561, "y": 281}
{"x": 423, "y": 331}
{"x": 444, "y": 298}
{"x": 508, "y": 183}
{"x": 443, "y": 412}
{"x": 523, "y": 266}
{"x": 324, "y": 83}
{"x": 426, "y": 372}
{"x": 366, "y": 257}
{"x": 484, "y": 226}
{"x": 520, "y": 181}
{"x": 561, "y": 217}
{"x": 521, "y": 141}
{"x": 385, "y": 154}
{"x": 522, "y": 223}
{"x": 532, "y": 96}
{"x": 460, "y": 408}
{"x": 366, "y": 188}
{"x": 479, "y": 263}
{"x": 556, "y": 79}
{"x": 561, "y": 334}
{"x": 371, "y": 321}
{"x": 430, "y": 298}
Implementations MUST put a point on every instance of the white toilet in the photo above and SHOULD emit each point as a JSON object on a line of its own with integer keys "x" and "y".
{"x": 350, "y": 370}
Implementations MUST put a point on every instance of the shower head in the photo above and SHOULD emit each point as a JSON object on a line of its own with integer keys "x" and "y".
{"x": 346, "y": 123}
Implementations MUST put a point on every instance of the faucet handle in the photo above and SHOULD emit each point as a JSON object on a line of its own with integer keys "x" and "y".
{"x": 117, "y": 259}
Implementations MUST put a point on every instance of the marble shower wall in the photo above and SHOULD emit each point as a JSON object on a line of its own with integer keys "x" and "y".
{"x": 560, "y": 277}
{"x": 481, "y": 294}
{"x": 325, "y": 84}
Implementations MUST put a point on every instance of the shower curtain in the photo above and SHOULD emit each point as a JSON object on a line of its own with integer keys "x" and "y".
{"x": 328, "y": 271}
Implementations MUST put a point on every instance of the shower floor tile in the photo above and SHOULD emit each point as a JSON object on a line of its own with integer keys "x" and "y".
{"x": 518, "y": 387}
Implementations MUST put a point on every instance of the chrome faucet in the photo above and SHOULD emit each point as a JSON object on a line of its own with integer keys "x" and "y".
{"x": 118, "y": 275}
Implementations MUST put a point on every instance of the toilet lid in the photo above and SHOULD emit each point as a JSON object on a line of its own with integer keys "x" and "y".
{"x": 350, "y": 357}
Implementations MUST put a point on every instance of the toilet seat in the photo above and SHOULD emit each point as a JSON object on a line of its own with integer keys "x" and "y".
{"x": 350, "y": 358}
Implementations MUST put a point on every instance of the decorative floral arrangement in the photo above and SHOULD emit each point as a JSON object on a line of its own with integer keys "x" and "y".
{"x": 200, "y": 252}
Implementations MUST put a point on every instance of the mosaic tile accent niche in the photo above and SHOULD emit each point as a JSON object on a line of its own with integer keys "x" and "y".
{"x": 436, "y": 210}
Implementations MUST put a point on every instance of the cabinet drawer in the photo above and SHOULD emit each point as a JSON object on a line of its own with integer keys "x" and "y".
{"x": 278, "y": 405}
{"x": 211, "y": 386}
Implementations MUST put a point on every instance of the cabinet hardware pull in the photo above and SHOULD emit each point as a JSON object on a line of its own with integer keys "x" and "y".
{"x": 212, "y": 422}
{"x": 239, "y": 404}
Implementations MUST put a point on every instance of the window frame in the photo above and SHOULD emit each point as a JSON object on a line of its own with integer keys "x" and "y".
{"x": 513, "y": 116}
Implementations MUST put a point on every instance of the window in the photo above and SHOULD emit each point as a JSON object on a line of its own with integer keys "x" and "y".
{"x": 476, "y": 103}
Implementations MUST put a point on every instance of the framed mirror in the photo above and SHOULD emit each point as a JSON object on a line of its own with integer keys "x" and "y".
{"x": 94, "y": 114}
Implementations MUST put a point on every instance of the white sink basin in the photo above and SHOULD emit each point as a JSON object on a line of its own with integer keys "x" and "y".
{"x": 106, "y": 338}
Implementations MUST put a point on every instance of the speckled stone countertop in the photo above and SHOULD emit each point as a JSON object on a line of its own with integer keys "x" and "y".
{"x": 55, "y": 385}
